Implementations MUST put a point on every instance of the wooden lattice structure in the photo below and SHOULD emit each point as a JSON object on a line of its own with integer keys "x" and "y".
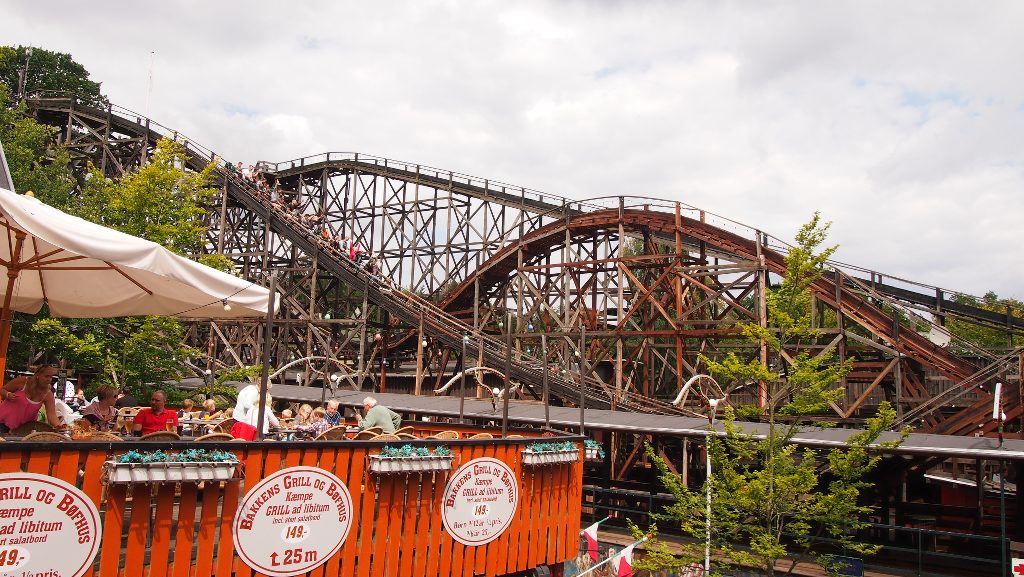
{"x": 622, "y": 293}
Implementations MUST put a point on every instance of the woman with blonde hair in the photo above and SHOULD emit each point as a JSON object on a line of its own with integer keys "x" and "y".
{"x": 22, "y": 397}
{"x": 304, "y": 414}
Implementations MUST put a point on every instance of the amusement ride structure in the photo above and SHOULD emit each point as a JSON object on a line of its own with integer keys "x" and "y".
{"x": 604, "y": 301}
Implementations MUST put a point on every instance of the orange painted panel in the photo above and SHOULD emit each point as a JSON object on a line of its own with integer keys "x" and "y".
{"x": 66, "y": 467}
{"x": 208, "y": 521}
{"x": 421, "y": 543}
{"x": 39, "y": 462}
{"x": 138, "y": 529}
{"x": 366, "y": 527}
{"x": 396, "y": 526}
{"x": 226, "y": 546}
{"x": 348, "y": 466}
{"x": 540, "y": 500}
{"x": 113, "y": 525}
{"x": 409, "y": 514}
{"x": 159, "y": 556}
{"x": 185, "y": 533}
{"x": 325, "y": 460}
{"x": 436, "y": 526}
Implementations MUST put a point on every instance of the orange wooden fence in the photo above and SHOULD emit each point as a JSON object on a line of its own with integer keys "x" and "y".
{"x": 185, "y": 530}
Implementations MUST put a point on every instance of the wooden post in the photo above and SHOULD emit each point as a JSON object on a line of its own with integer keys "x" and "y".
{"x": 418, "y": 387}
{"x": 265, "y": 375}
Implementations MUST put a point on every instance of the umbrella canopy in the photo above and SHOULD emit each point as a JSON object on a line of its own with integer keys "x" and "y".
{"x": 84, "y": 270}
{"x": 81, "y": 269}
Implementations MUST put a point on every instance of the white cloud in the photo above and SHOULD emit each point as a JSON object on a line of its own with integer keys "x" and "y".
{"x": 900, "y": 122}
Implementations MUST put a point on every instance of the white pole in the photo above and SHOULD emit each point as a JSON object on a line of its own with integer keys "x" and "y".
{"x": 707, "y": 491}
{"x": 713, "y": 403}
{"x": 149, "y": 85}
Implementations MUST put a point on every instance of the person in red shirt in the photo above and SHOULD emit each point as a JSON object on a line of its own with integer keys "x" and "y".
{"x": 156, "y": 417}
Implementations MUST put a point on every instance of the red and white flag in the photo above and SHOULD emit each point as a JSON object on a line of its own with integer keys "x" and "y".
{"x": 1017, "y": 566}
{"x": 591, "y": 535}
{"x": 623, "y": 562}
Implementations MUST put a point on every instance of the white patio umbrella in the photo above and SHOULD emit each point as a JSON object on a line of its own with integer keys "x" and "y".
{"x": 83, "y": 270}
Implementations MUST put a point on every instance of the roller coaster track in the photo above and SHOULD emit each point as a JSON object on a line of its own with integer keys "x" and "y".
{"x": 438, "y": 324}
{"x": 935, "y": 301}
{"x": 851, "y": 293}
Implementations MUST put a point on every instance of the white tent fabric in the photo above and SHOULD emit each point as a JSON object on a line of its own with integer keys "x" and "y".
{"x": 81, "y": 270}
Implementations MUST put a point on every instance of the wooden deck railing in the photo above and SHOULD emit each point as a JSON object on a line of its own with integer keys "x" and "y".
{"x": 185, "y": 530}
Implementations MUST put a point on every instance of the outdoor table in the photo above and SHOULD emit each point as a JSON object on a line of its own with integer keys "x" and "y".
{"x": 283, "y": 433}
{"x": 211, "y": 422}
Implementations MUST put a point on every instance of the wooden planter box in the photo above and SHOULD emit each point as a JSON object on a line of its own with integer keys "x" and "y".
{"x": 168, "y": 472}
{"x": 535, "y": 459}
{"x": 408, "y": 465}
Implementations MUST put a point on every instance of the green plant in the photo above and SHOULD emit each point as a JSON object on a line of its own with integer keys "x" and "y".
{"x": 249, "y": 374}
{"x": 186, "y": 456}
{"x": 551, "y": 447}
{"x": 592, "y": 444}
{"x": 410, "y": 451}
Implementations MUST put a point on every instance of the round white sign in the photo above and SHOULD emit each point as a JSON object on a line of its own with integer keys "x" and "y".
{"x": 292, "y": 521}
{"x": 47, "y": 527}
{"x": 479, "y": 501}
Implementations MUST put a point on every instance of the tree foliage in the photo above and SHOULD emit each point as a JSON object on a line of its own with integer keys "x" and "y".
{"x": 160, "y": 201}
{"x": 163, "y": 203}
{"x": 771, "y": 499}
{"x": 988, "y": 338}
{"x": 46, "y": 71}
{"x": 35, "y": 163}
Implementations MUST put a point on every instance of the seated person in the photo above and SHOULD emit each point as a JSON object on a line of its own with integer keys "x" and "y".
{"x": 269, "y": 419}
{"x": 78, "y": 402}
{"x": 22, "y": 398}
{"x": 332, "y": 414}
{"x": 317, "y": 426}
{"x": 156, "y": 417}
{"x": 210, "y": 410}
{"x": 102, "y": 414}
{"x": 378, "y": 416}
{"x": 304, "y": 414}
{"x": 126, "y": 399}
{"x": 186, "y": 413}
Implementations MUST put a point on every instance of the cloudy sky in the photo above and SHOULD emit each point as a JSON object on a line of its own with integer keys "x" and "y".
{"x": 901, "y": 122}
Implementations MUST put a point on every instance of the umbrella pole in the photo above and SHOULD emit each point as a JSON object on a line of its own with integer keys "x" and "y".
{"x": 6, "y": 314}
{"x": 265, "y": 376}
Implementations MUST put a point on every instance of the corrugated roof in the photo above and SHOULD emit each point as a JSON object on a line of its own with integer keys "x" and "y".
{"x": 642, "y": 423}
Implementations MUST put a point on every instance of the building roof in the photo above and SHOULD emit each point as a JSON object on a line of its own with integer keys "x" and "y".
{"x": 532, "y": 413}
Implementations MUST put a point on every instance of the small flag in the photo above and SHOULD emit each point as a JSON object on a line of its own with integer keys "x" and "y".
{"x": 623, "y": 562}
{"x": 591, "y": 535}
{"x": 1017, "y": 565}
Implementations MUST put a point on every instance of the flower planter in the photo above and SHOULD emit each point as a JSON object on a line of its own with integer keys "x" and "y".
{"x": 535, "y": 459}
{"x": 168, "y": 472}
{"x": 407, "y": 465}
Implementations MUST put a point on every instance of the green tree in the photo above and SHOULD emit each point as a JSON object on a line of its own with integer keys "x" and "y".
{"x": 771, "y": 499}
{"x": 36, "y": 164}
{"x": 152, "y": 351}
{"x": 986, "y": 337}
{"x": 46, "y": 71}
{"x": 160, "y": 201}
